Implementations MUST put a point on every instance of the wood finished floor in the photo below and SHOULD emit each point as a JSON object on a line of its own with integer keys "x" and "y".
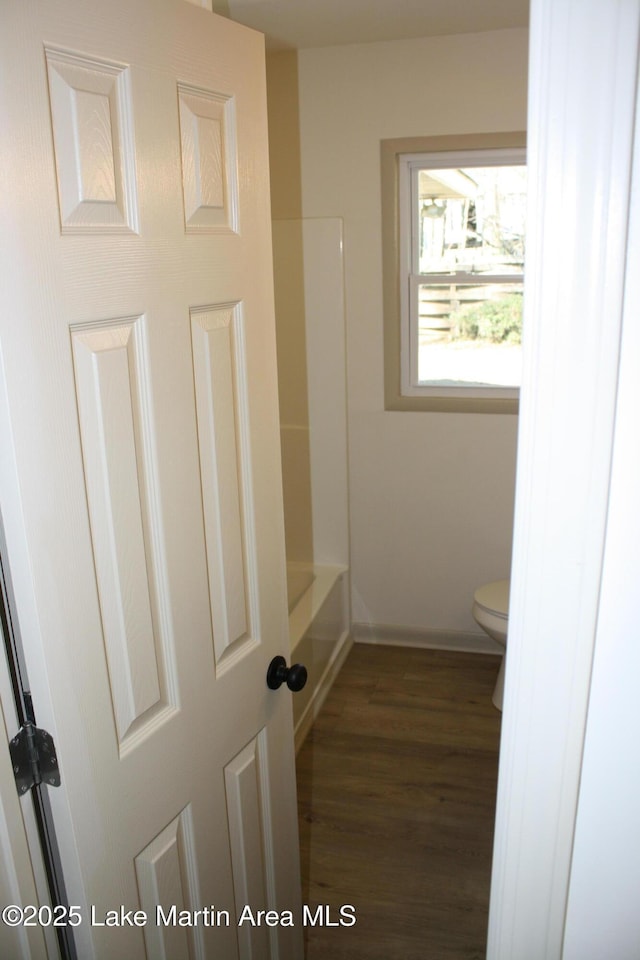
{"x": 397, "y": 789}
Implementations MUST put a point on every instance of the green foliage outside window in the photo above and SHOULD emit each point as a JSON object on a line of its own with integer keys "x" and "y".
{"x": 493, "y": 321}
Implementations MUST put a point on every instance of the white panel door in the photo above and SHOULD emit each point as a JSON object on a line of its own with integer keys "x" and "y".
{"x": 140, "y": 476}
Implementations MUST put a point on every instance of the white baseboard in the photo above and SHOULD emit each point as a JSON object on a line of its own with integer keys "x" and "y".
{"x": 396, "y": 636}
{"x": 319, "y": 695}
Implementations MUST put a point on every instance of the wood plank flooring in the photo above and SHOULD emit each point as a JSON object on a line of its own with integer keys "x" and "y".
{"x": 397, "y": 789}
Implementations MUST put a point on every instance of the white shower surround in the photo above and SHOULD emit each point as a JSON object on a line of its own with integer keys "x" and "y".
{"x": 318, "y": 588}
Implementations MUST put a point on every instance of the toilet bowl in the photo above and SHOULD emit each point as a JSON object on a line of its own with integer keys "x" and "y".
{"x": 491, "y": 612}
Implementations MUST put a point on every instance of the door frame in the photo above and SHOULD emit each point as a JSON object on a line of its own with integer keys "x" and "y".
{"x": 23, "y": 877}
{"x": 582, "y": 107}
{"x": 572, "y": 101}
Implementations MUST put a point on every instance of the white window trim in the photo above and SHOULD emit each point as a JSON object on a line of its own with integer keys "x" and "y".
{"x": 390, "y": 151}
{"x": 410, "y": 279}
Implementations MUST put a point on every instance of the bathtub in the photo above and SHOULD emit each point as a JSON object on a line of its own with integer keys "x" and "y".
{"x": 319, "y": 635}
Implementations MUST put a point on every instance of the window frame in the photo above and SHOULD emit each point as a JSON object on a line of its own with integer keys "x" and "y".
{"x": 400, "y": 393}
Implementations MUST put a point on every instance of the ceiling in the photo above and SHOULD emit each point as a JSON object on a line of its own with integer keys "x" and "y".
{"x": 296, "y": 24}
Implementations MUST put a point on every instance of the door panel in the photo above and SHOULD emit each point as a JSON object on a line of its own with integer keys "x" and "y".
{"x": 142, "y": 473}
{"x": 209, "y": 160}
{"x": 246, "y": 778}
{"x": 92, "y": 126}
{"x": 167, "y": 879}
{"x": 222, "y": 409}
{"x": 110, "y": 370}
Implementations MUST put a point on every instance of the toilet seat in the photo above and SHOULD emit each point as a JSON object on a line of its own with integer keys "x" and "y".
{"x": 493, "y": 598}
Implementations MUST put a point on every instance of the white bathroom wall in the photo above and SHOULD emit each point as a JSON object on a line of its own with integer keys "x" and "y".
{"x": 431, "y": 495}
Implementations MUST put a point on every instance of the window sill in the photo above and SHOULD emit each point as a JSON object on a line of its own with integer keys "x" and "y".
{"x": 453, "y": 404}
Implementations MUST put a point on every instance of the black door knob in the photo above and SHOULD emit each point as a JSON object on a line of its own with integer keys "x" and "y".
{"x": 278, "y": 673}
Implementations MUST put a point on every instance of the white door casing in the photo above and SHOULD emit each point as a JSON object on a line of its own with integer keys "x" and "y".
{"x": 602, "y": 908}
{"x": 582, "y": 113}
{"x": 140, "y": 466}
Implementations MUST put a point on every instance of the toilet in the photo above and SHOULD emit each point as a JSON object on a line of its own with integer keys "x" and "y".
{"x": 491, "y": 612}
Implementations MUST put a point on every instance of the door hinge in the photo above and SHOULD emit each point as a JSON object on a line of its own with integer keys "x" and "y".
{"x": 34, "y": 760}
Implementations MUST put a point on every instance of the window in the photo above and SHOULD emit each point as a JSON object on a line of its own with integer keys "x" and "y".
{"x": 453, "y": 315}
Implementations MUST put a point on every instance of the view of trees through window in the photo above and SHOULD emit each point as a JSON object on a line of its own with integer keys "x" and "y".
{"x": 470, "y": 245}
